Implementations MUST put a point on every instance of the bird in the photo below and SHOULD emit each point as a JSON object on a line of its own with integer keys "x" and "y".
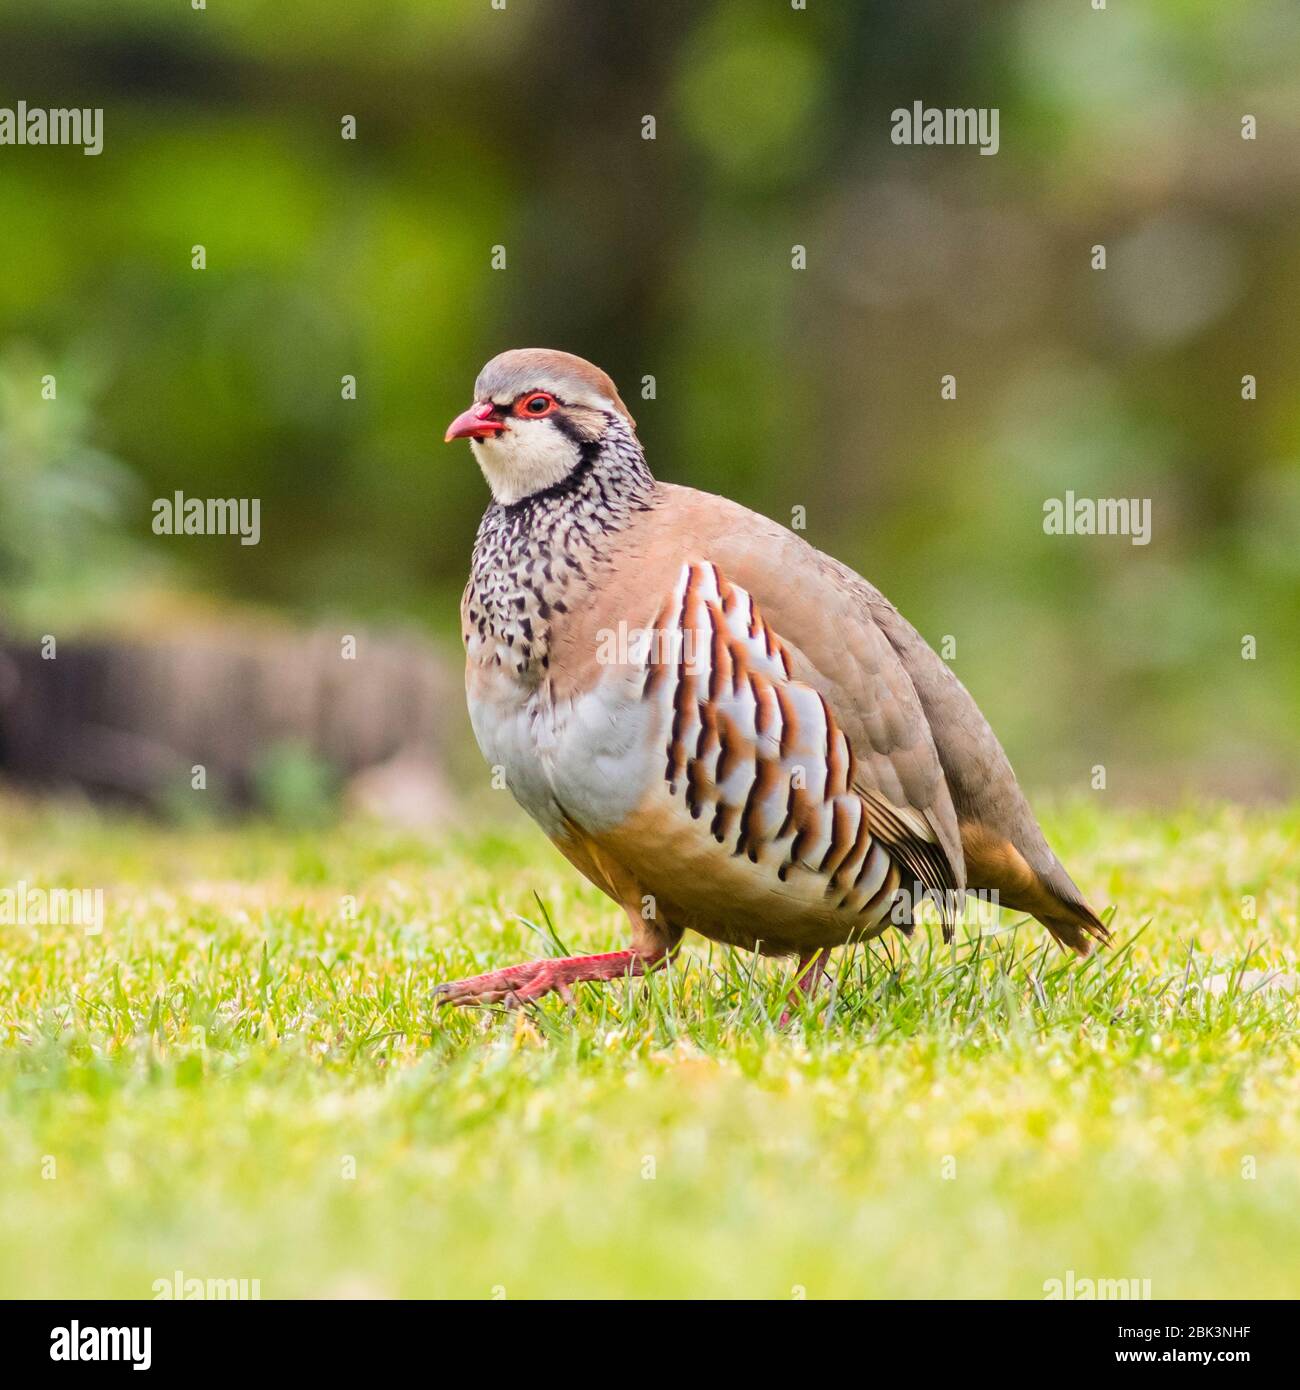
{"x": 726, "y": 730}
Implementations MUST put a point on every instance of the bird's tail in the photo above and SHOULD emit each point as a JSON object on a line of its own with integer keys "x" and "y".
{"x": 1074, "y": 924}
{"x": 1046, "y": 892}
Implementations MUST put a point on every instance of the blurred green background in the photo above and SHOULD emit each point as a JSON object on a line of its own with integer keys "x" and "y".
{"x": 671, "y": 258}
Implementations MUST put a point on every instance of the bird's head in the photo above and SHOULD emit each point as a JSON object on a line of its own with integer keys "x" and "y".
{"x": 538, "y": 416}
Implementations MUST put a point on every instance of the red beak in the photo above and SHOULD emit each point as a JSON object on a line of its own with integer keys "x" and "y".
{"x": 474, "y": 423}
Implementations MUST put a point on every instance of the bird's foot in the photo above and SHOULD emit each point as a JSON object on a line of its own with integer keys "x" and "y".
{"x": 519, "y": 984}
{"x": 812, "y": 969}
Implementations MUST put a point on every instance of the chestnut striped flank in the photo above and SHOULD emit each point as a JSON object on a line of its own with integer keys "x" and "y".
{"x": 761, "y": 761}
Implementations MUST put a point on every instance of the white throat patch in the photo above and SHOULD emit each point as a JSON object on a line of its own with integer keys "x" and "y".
{"x": 526, "y": 457}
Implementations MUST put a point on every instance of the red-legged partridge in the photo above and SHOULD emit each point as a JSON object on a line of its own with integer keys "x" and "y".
{"x": 724, "y": 729}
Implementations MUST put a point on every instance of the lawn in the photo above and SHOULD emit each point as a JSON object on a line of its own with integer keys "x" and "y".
{"x": 242, "y": 1076}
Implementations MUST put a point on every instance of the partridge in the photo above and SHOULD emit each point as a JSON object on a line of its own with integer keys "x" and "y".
{"x": 724, "y": 729}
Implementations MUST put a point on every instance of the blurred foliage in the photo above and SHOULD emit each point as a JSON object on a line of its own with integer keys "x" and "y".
{"x": 671, "y": 258}
{"x": 297, "y": 788}
{"x": 64, "y": 501}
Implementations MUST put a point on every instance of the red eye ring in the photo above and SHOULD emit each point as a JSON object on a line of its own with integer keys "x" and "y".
{"x": 535, "y": 405}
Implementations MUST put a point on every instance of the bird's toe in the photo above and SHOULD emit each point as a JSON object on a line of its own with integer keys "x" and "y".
{"x": 494, "y": 987}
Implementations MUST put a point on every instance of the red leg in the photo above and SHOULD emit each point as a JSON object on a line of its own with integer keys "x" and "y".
{"x": 812, "y": 969}
{"x": 517, "y": 984}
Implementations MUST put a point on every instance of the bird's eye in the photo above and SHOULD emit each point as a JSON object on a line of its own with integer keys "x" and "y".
{"x": 539, "y": 403}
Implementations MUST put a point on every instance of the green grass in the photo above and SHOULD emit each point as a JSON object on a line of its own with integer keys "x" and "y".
{"x": 966, "y": 1122}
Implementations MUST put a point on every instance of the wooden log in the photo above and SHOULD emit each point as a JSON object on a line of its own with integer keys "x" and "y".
{"x": 131, "y": 718}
